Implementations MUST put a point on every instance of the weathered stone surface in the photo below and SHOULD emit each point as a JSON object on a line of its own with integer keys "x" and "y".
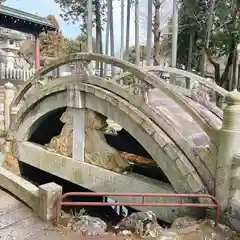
{"x": 101, "y": 180}
{"x": 25, "y": 190}
{"x": 90, "y": 226}
{"x": 48, "y": 195}
{"x": 13, "y": 216}
{"x": 191, "y": 229}
{"x": 97, "y": 151}
{"x": 107, "y": 109}
{"x": 143, "y": 224}
{"x": 21, "y": 230}
{"x": 63, "y": 143}
{"x": 8, "y": 203}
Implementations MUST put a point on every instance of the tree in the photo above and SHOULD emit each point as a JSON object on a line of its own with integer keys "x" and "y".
{"x": 222, "y": 42}
{"x": 51, "y": 44}
{"x": 156, "y": 32}
{"x": 143, "y": 53}
{"x": 76, "y": 12}
{"x": 79, "y": 44}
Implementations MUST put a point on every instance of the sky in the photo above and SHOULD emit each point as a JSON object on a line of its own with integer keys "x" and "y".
{"x": 45, "y": 7}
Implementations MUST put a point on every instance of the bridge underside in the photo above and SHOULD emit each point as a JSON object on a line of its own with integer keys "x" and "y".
{"x": 61, "y": 129}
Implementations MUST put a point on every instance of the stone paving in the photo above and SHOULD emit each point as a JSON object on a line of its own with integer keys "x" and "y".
{"x": 19, "y": 222}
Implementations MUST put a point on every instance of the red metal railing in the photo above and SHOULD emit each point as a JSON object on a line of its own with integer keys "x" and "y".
{"x": 60, "y": 202}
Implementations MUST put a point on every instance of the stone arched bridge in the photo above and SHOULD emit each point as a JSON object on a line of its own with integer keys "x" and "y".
{"x": 59, "y": 128}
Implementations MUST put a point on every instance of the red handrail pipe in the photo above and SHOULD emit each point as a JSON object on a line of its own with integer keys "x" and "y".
{"x": 215, "y": 203}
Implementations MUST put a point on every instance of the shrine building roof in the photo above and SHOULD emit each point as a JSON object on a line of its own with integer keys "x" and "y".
{"x": 22, "y": 21}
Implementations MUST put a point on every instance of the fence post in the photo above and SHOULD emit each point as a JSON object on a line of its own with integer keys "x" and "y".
{"x": 228, "y": 146}
{"x": 8, "y": 97}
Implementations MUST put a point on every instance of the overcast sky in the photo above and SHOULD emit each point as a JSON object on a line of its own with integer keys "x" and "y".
{"x": 45, "y": 7}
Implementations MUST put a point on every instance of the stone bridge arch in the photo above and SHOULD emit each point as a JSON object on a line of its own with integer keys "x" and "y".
{"x": 148, "y": 78}
{"x": 173, "y": 143}
{"x": 164, "y": 151}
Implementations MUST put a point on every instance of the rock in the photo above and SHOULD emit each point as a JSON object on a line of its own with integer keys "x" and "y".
{"x": 90, "y": 226}
{"x": 204, "y": 229}
{"x": 157, "y": 232}
{"x": 183, "y": 222}
{"x": 125, "y": 233}
{"x": 132, "y": 222}
{"x": 143, "y": 224}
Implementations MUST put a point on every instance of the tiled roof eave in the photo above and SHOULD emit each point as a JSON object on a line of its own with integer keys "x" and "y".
{"x": 11, "y": 12}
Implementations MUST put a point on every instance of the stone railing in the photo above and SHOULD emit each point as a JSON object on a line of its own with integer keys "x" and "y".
{"x": 15, "y": 74}
{"x": 41, "y": 199}
{"x": 9, "y": 93}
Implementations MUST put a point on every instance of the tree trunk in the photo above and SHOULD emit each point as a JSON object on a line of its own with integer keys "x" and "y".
{"x": 89, "y": 30}
{"x": 190, "y": 56}
{"x": 137, "y": 45}
{"x": 122, "y": 30}
{"x": 107, "y": 42}
{"x": 156, "y": 33}
{"x": 149, "y": 33}
{"x": 89, "y": 26}
{"x": 128, "y": 29}
{"x": 207, "y": 39}
{"x": 174, "y": 33}
{"x": 98, "y": 34}
{"x": 110, "y": 9}
{"x": 98, "y": 27}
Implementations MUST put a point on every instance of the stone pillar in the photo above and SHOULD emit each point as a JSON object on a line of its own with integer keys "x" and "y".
{"x": 76, "y": 107}
{"x": 8, "y": 97}
{"x": 48, "y": 195}
{"x": 228, "y": 140}
{"x": 37, "y": 52}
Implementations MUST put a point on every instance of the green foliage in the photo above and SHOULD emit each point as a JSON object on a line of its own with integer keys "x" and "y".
{"x": 132, "y": 53}
{"x": 192, "y": 20}
{"x": 52, "y": 42}
{"x": 224, "y": 37}
{"x": 76, "y": 11}
{"x": 79, "y": 44}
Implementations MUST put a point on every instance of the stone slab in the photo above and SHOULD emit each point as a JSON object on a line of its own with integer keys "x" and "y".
{"x": 53, "y": 234}
{"x": 8, "y": 203}
{"x": 101, "y": 180}
{"x": 14, "y": 216}
{"x": 18, "y": 186}
{"x": 23, "y": 229}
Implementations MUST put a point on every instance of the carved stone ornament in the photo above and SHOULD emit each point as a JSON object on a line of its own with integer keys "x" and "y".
{"x": 141, "y": 90}
{"x": 62, "y": 143}
{"x": 97, "y": 150}
{"x": 81, "y": 67}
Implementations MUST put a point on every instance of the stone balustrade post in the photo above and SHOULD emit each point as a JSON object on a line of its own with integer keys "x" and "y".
{"x": 49, "y": 194}
{"x": 8, "y": 97}
{"x": 228, "y": 146}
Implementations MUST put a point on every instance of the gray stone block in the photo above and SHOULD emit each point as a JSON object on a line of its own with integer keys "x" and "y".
{"x": 48, "y": 196}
